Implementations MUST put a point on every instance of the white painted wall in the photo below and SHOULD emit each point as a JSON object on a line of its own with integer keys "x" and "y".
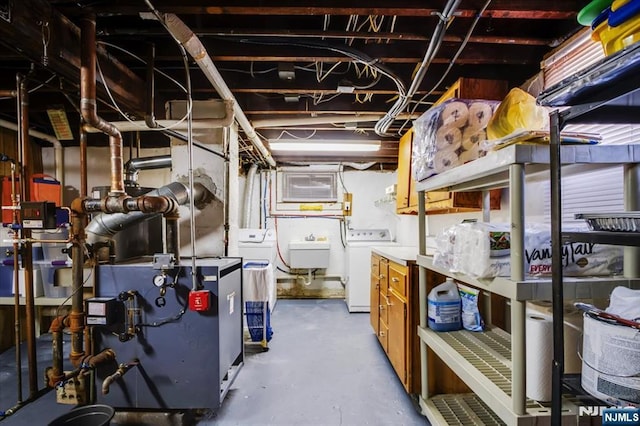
{"x": 366, "y": 187}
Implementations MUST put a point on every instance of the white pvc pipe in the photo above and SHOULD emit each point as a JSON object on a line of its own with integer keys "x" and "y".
{"x": 57, "y": 147}
{"x": 183, "y": 34}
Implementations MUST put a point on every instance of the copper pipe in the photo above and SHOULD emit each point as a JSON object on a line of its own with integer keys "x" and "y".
{"x": 16, "y": 281}
{"x": 83, "y": 161}
{"x": 88, "y": 107}
{"x": 78, "y": 219}
{"x": 56, "y": 373}
{"x": 88, "y": 362}
{"x": 8, "y": 93}
{"x": 16, "y": 301}
{"x": 27, "y": 258}
{"x": 105, "y": 356}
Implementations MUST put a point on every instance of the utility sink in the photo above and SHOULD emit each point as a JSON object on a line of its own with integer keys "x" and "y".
{"x": 309, "y": 254}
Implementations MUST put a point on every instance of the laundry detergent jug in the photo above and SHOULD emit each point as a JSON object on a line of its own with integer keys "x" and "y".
{"x": 444, "y": 307}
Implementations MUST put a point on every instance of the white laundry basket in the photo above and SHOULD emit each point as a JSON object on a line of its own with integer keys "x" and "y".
{"x": 258, "y": 291}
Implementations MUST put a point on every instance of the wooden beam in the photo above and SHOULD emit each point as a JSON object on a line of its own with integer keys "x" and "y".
{"x": 340, "y": 35}
{"x": 24, "y": 34}
{"x": 501, "y": 10}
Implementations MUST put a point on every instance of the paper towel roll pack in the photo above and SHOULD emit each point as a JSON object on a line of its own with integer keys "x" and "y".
{"x": 449, "y": 135}
{"x": 483, "y": 250}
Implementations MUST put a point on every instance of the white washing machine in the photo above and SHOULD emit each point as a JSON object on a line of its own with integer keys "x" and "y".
{"x": 258, "y": 250}
{"x": 358, "y": 287}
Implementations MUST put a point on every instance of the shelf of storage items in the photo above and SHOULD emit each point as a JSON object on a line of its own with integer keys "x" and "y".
{"x": 537, "y": 288}
{"x": 507, "y": 167}
{"x": 607, "y": 92}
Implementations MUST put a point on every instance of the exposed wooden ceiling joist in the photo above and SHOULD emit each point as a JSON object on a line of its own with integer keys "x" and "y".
{"x": 35, "y": 23}
{"x": 511, "y": 10}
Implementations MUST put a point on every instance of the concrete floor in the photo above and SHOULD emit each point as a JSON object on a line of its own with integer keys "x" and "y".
{"x": 324, "y": 367}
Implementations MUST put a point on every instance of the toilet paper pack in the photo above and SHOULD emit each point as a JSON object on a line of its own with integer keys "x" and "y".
{"x": 449, "y": 135}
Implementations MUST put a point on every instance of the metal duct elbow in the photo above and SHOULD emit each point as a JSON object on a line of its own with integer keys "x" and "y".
{"x": 105, "y": 226}
{"x": 133, "y": 166}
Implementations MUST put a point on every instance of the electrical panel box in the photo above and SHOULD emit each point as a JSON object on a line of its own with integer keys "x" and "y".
{"x": 38, "y": 215}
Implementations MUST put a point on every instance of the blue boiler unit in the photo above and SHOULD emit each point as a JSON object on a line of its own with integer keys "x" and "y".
{"x": 176, "y": 348}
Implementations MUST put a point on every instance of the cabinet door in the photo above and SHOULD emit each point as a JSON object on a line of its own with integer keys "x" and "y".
{"x": 404, "y": 185}
{"x": 398, "y": 336}
{"x": 374, "y": 315}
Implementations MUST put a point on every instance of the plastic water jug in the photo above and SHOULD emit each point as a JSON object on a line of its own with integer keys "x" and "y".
{"x": 444, "y": 307}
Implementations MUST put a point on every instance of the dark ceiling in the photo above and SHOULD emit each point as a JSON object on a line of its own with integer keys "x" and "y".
{"x": 281, "y": 59}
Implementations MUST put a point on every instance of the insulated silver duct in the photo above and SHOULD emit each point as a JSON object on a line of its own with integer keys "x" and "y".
{"x": 248, "y": 195}
{"x": 105, "y": 226}
{"x": 133, "y": 166}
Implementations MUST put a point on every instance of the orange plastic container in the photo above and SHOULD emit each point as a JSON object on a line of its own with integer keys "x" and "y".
{"x": 46, "y": 188}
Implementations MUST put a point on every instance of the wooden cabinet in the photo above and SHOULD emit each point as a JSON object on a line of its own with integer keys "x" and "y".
{"x": 396, "y": 319}
{"x": 406, "y": 194}
{"x": 397, "y": 344}
{"x": 394, "y": 288}
{"x": 475, "y": 88}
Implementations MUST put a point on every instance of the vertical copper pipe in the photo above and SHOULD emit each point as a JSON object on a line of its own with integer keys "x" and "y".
{"x": 16, "y": 281}
{"x": 83, "y": 160}
{"x": 117, "y": 164}
{"x": 56, "y": 373}
{"x": 88, "y": 107}
{"x": 76, "y": 317}
{"x": 27, "y": 258}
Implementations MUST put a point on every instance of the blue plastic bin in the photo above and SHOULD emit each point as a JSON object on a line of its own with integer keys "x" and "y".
{"x": 258, "y": 320}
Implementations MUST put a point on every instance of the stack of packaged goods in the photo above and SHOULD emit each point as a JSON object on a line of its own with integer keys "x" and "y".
{"x": 449, "y": 135}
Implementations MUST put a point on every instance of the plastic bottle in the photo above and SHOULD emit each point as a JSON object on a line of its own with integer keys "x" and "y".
{"x": 444, "y": 307}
